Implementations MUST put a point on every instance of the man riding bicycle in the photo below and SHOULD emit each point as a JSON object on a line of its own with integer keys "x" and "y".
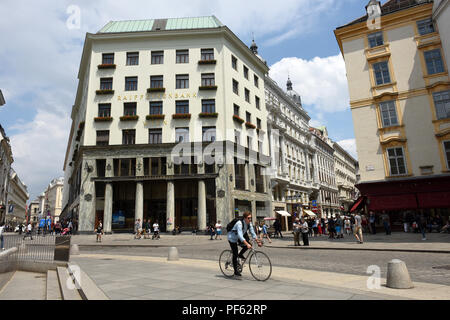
{"x": 239, "y": 235}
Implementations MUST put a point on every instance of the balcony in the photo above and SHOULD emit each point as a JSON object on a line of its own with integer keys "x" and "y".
{"x": 208, "y": 115}
{"x": 103, "y": 119}
{"x": 106, "y": 66}
{"x": 155, "y": 116}
{"x": 250, "y": 125}
{"x": 181, "y": 116}
{"x": 238, "y": 119}
{"x": 207, "y": 88}
{"x": 104, "y": 91}
{"x": 129, "y": 118}
{"x": 151, "y": 90}
{"x": 212, "y": 61}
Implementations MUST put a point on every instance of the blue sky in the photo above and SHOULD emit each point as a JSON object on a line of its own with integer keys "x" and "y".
{"x": 39, "y": 64}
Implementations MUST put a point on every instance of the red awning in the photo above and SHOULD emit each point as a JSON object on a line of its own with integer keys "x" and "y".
{"x": 392, "y": 202}
{"x": 357, "y": 204}
{"x": 430, "y": 200}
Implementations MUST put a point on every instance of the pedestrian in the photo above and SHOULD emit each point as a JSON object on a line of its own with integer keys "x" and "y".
{"x": 2, "y": 229}
{"x": 310, "y": 227}
{"x": 421, "y": 221}
{"x": 277, "y": 227}
{"x": 212, "y": 231}
{"x": 316, "y": 227}
{"x": 319, "y": 227}
{"x": 70, "y": 226}
{"x": 405, "y": 221}
{"x": 386, "y": 222}
{"x": 347, "y": 225}
{"x": 29, "y": 230}
{"x": 218, "y": 230}
{"x": 99, "y": 231}
{"x": 156, "y": 230}
{"x": 265, "y": 233}
{"x": 372, "y": 221}
{"x": 137, "y": 229}
{"x": 357, "y": 230}
{"x": 325, "y": 226}
{"x": 305, "y": 229}
{"x": 331, "y": 228}
{"x": 339, "y": 227}
{"x": 296, "y": 228}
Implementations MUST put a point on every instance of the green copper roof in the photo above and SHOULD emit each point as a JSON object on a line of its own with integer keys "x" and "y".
{"x": 161, "y": 24}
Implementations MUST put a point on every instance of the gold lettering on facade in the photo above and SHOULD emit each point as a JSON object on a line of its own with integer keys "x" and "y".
{"x": 170, "y": 96}
{"x": 176, "y": 95}
{"x": 188, "y": 95}
{"x": 142, "y": 96}
{"x": 135, "y": 97}
{"x": 164, "y": 96}
{"x": 118, "y": 98}
{"x": 124, "y": 97}
{"x": 194, "y": 95}
{"x": 182, "y": 95}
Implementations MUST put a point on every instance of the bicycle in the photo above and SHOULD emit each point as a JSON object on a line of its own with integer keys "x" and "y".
{"x": 259, "y": 264}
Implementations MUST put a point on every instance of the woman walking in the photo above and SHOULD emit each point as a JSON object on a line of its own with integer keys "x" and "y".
{"x": 99, "y": 231}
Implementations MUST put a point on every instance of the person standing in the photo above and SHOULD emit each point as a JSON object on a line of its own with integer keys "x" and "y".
{"x": 372, "y": 220}
{"x": 212, "y": 231}
{"x": 156, "y": 230}
{"x": 99, "y": 231}
{"x": 347, "y": 226}
{"x": 339, "y": 227}
{"x": 315, "y": 226}
{"x": 310, "y": 227}
{"x": 386, "y": 222}
{"x": 29, "y": 230}
{"x": 218, "y": 230}
{"x": 331, "y": 228}
{"x": 305, "y": 230}
{"x": 277, "y": 226}
{"x": 137, "y": 229}
{"x": 357, "y": 229}
{"x": 422, "y": 224}
{"x": 70, "y": 226}
{"x": 296, "y": 228}
{"x": 265, "y": 233}
{"x": 2, "y": 229}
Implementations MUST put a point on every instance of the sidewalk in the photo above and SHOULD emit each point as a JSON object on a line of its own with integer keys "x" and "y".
{"x": 398, "y": 241}
{"x": 148, "y": 278}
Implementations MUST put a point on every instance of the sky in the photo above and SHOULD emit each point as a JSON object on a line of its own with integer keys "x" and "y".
{"x": 41, "y": 44}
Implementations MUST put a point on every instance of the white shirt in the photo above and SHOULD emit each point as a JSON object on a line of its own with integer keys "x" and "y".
{"x": 304, "y": 227}
{"x": 29, "y": 227}
{"x": 156, "y": 227}
{"x": 218, "y": 226}
{"x": 1, "y": 230}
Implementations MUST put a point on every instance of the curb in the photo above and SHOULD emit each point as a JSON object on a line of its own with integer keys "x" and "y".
{"x": 361, "y": 249}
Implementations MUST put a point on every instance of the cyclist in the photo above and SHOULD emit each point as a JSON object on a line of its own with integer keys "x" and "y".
{"x": 239, "y": 235}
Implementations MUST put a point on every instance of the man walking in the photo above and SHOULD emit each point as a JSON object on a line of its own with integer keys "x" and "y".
{"x": 277, "y": 226}
{"x": 386, "y": 222}
{"x": 29, "y": 230}
{"x": 358, "y": 228}
{"x": 372, "y": 218}
{"x": 296, "y": 228}
{"x": 305, "y": 231}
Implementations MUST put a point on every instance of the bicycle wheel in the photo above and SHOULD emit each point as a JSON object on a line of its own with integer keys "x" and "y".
{"x": 260, "y": 266}
{"x": 226, "y": 263}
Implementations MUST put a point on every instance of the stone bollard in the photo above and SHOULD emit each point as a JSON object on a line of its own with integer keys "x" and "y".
{"x": 74, "y": 250}
{"x": 173, "y": 254}
{"x": 398, "y": 275}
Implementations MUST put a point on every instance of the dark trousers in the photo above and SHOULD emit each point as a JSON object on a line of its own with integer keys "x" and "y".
{"x": 387, "y": 228}
{"x": 234, "y": 249}
{"x": 305, "y": 239}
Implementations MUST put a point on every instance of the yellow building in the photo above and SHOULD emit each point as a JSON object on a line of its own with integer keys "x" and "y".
{"x": 400, "y": 100}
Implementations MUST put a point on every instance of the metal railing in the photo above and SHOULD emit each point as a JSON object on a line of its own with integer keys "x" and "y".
{"x": 34, "y": 248}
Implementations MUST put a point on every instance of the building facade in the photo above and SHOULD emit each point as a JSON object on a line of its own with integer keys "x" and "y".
{"x": 441, "y": 18}
{"x": 6, "y": 159}
{"x": 34, "y": 211}
{"x": 293, "y": 176}
{"x": 400, "y": 100}
{"x": 53, "y": 199}
{"x": 17, "y": 200}
{"x": 169, "y": 124}
{"x": 345, "y": 168}
{"x": 327, "y": 200}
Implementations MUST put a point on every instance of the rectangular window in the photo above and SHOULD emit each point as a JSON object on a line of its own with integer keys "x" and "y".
{"x": 247, "y": 95}
{"x": 236, "y": 110}
{"x": 256, "y": 80}
{"x": 375, "y": 39}
{"x": 182, "y": 56}
{"x": 208, "y": 105}
{"x": 106, "y": 83}
{"x": 125, "y": 167}
{"x": 248, "y": 116}
{"x": 388, "y": 113}
{"x": 433, "y": 59}
{"x": 258, "y": 123}
{"x": 249, "y": 142}
{"x": 156, "y": 82}
{"x": 157, "y": 57}
{"x": 425, "y": 26}
{"x": 182, "y": 107}
{"x": 447, "y": 153}
{"x": 381, "y": 71}
{"x": 235, "y": 87}
{"x": 234, "y": 62}
{"x": 132, "y": 58}
{"x": 442, "y": 104}
{"x": 128, "y": 136}
{"x": 396, "y": 161}
{"x": 207, "y": 54}
{"x": 208, "y": 79}
{"x": 102, "y": 138}
{"x": 156, "y": 107}
{"x": 246, "y": 72}
{"x": 131, "y": 83}
{"x": 182, "y": 81}
{"x": 104, "y": 110}
{"x": 237, "y": 137}
{"x": 209, "y": 134}
{"x": 257, "y": 102}
{"x": 154, "y": 136}
{"x": 260, "y": 146}
{"x": 108, "y": 58}
{"x": 129, "y": 108}
{"x": 181, "y": 134}
{"x": 101, "y": 167}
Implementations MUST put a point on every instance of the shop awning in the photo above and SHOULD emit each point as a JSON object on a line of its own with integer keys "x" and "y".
{"x": 392, "y": 202}
{"x": 269, "y": 218}
{"x": 357, "y": 204}
{"x": 430, "y": 200}
{"x": 284, "y": 213}
{"x": 309, "y": 213}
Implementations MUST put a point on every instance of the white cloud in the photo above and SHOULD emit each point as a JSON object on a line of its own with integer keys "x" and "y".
{"x": 321, "y": 82}
{"x": 349, "y": 145}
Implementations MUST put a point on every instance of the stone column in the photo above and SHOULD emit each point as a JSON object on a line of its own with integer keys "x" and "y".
{"x": 139, "y": 202}
{"x": 107, "y": 212}
{"x": 201, "y": 213}
{"x": 252, "y": 177}
{"x": 247, "y": 177}
{"x": 253, "y": 212}
{"x": 283, "y": 154}
{"x": 170, "y": 207}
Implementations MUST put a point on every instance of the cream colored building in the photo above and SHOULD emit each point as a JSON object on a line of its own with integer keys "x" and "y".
{"x": 345, "y": 168}
{"x": 144, "y": 86}
{"x": 400, "y": 100}
{"x": 53, "y": 199}
{"x": 441, "y": 18}
{"x": 293, "y": 176}
{"x": 17, "y": 200}
{"x": 34, "y": 211}
{"x": 6, "y": 159}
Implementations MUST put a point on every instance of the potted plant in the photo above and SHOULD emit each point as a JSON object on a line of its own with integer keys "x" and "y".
{"x": 250, "y": 125}
{"x": 103, "y": 119}
{"x": 181, "y": 116}
{"x": 105, "y": 91}
{"x": 107, "y": 66}
{"x": 207, "y": 88}
{"x": 238, "y": 119}
{"x": 155, "y": 117}
{"x": 150, "y": 90}
{"x": 129, "y": 118}
{"x": 208, "y": 115}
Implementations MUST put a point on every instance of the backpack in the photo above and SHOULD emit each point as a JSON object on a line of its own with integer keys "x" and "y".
{"x": 232, "y": 223}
